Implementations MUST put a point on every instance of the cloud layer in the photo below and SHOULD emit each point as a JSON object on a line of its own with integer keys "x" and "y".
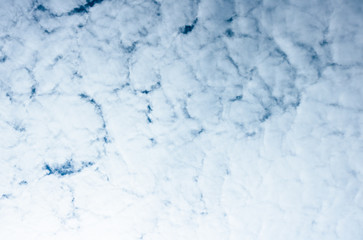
{"x": 181, "y": 119}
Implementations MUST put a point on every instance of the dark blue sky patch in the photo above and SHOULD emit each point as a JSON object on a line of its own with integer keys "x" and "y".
{"x": 91, "y": 3}
{"x": 77, "y": 74}
{"x": 198, "y": 132}
{"x": 323, "y": 43}
{"x": 49, "y": 32}
{"x": 33, "y": 91}
{"x": 158, "y": 6}
{"x": 186, "y": 113}
{"x": 5, "y": 196}
{"x": 188, "y": 28}
{"x": 250, "y": 134}
{"x": 266, "y": 116}
{"x": 87, "y": 164}
{"x": 84, "y": 8}
{"x": 10, "y": 96}
{"x": 297, "y": 102}
{"x": 84, "y": 96}
{"x": 23, "y": 182}
{"x": 41, "y": 8}
{"x": 65, "y": 169}
{"x": 62, "y": 170}
{"x": 19, "y": 128}
{"x": 279, "y": 52}
{"x": 149, "y": 109}
{"x": 229, "y": 33}
{"x": 98, "y": 109}
{"x": 106, "y": 139}
{"x": 153, "y": 141}
{"x": 129, "y": 49}
{"x": 93, "y": 102}
{"x": 59, "y": 57}
{"x": 80, "y": 9}
{"x": 237, "y": 98}
{"x": 3, "y": 59}
{"x": 229, "y": 19}
{"x": 155, "y": 86}
{"x": 149, "y": 119}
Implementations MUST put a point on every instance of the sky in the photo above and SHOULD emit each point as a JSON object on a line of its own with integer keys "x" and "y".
{"x": 190, "y": 119}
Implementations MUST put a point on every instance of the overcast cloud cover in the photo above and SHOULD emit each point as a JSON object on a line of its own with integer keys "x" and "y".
{"x": 188, "y": 119}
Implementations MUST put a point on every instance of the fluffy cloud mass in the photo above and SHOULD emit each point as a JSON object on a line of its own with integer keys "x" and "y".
{"x": 192, "y": 119}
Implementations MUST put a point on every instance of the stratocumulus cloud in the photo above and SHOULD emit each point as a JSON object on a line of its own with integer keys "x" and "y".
{"x": 192, "y": 119}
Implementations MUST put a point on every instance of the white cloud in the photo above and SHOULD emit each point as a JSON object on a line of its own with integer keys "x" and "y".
{"x": 181, "y": 120}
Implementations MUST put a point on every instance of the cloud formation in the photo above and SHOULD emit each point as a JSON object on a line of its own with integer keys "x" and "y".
{"x": 181, "y": 119}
